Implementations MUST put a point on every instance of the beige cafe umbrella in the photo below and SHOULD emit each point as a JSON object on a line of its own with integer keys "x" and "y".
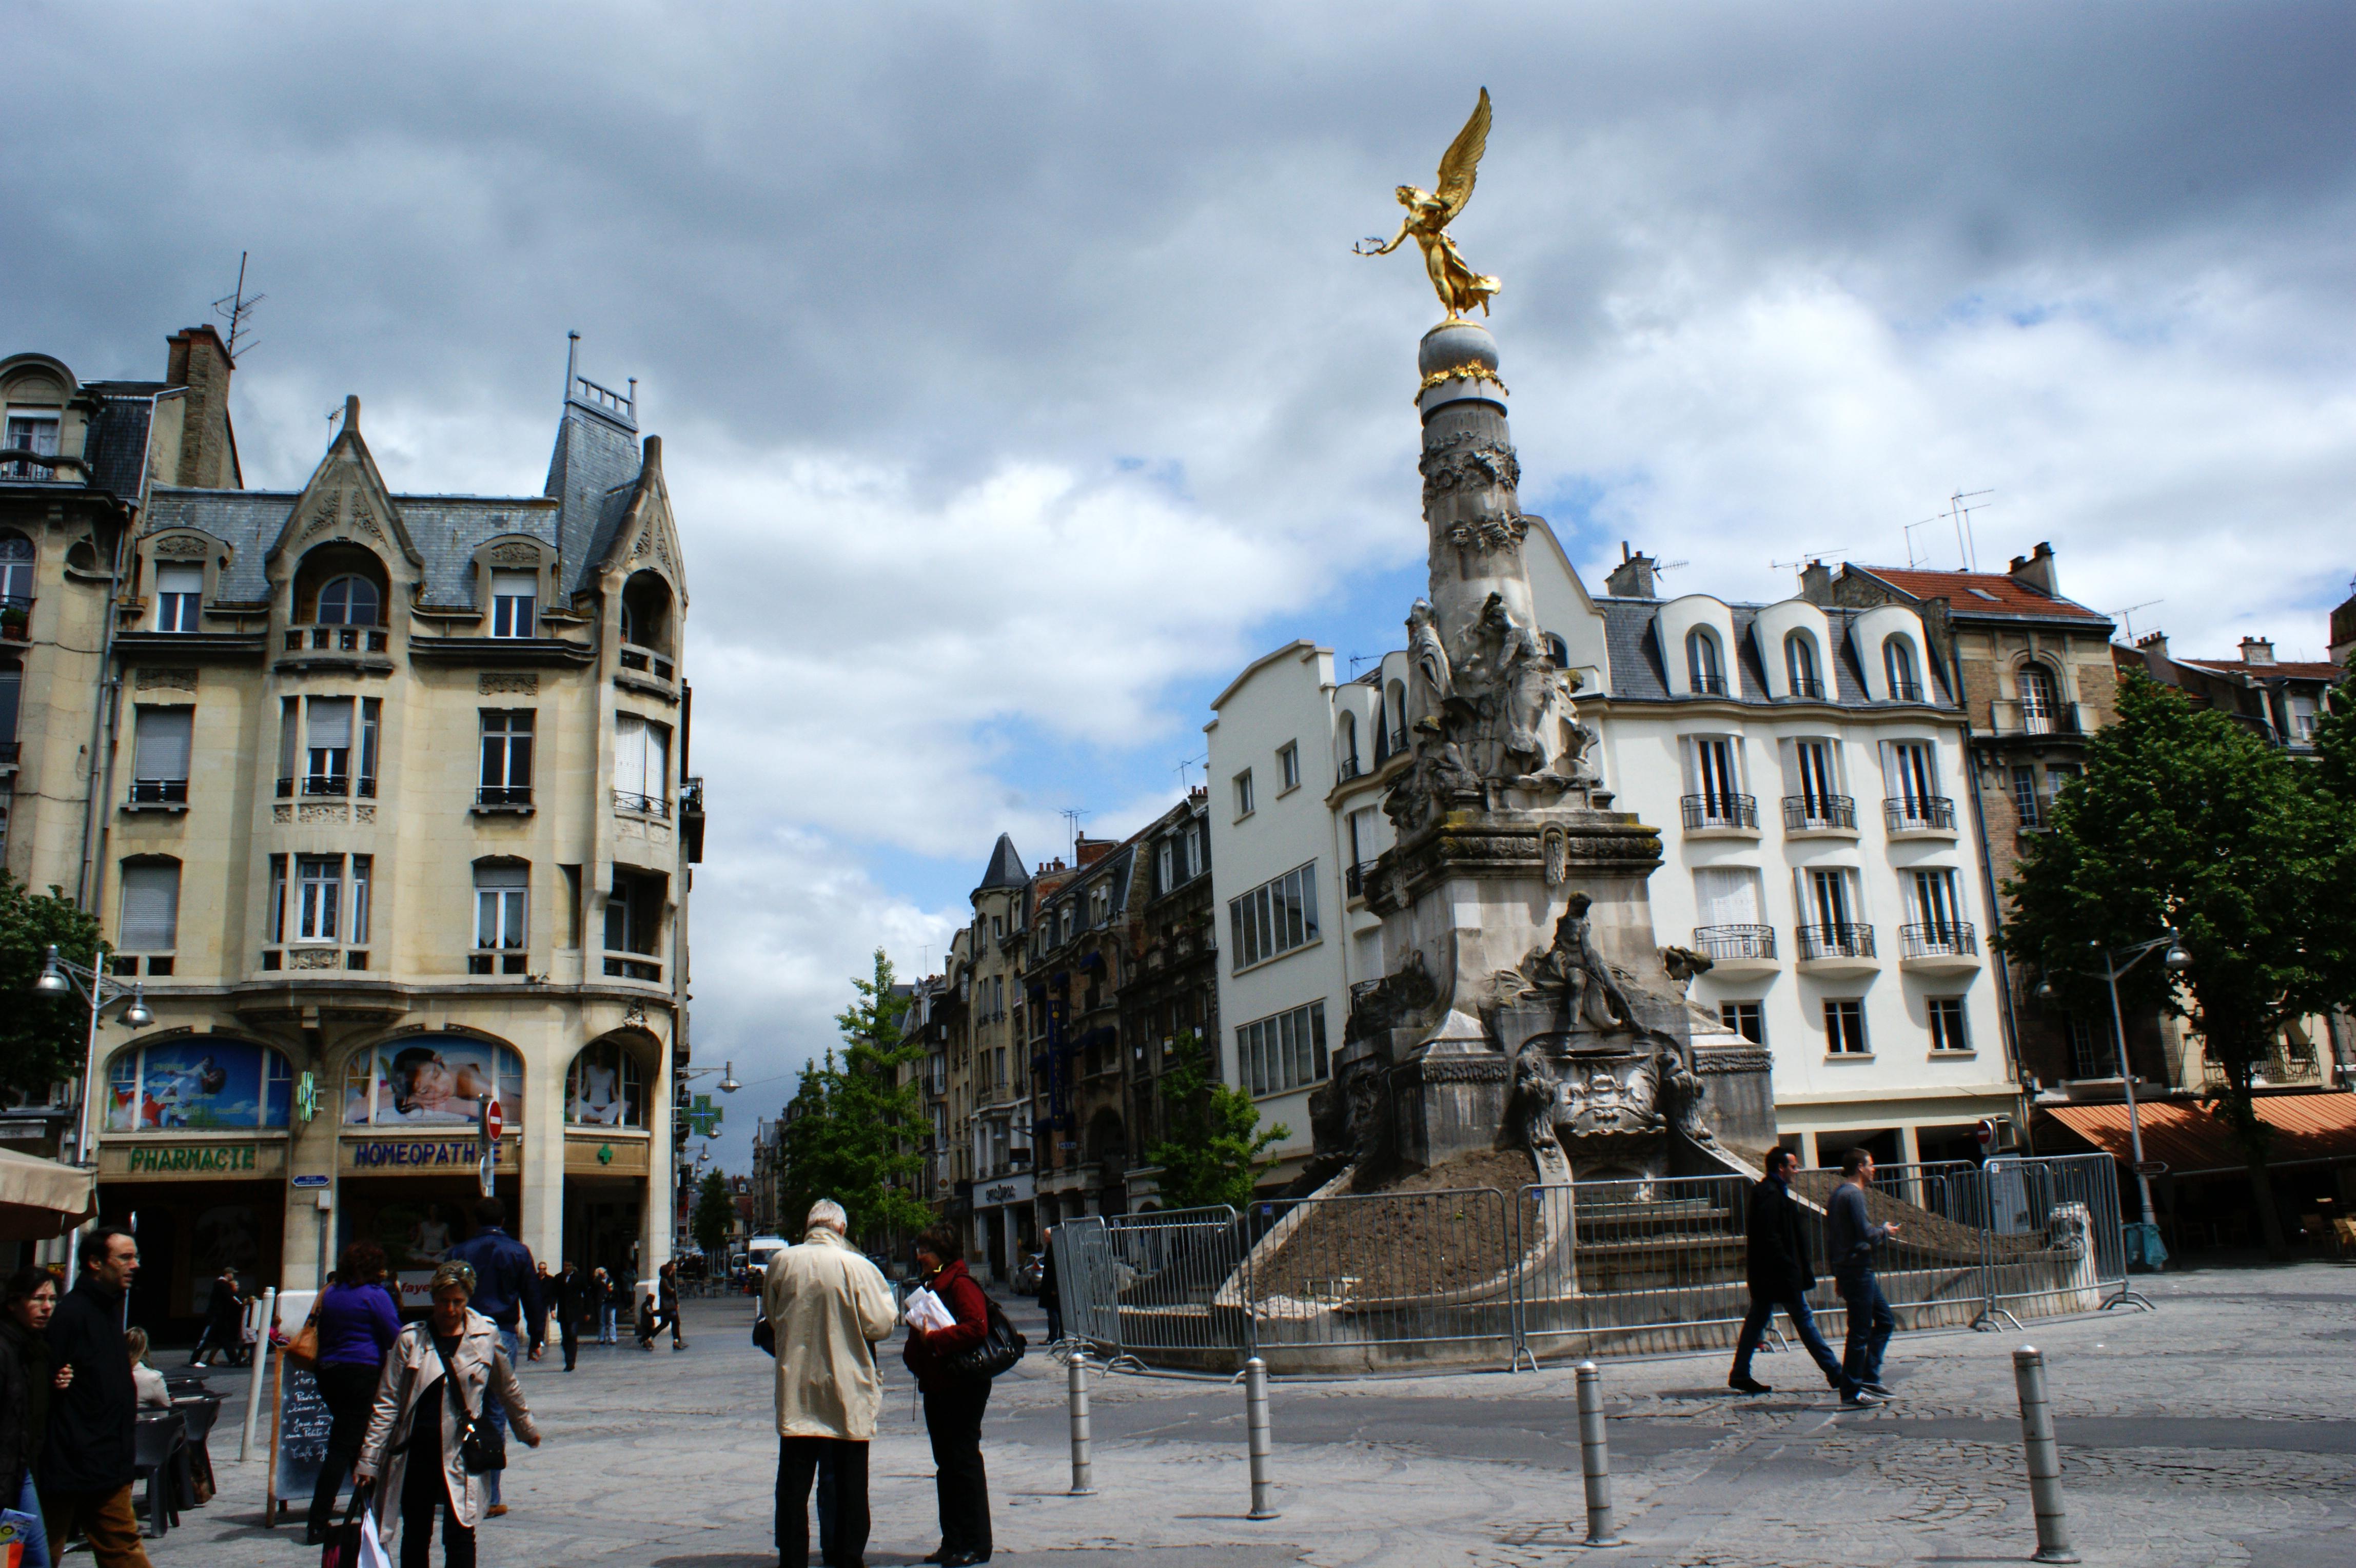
{"x": 41, "y": 1198}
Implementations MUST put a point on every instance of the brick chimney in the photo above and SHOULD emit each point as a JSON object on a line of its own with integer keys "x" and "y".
{"x": 199, "y": 361}
{"x": 1087, "y": 851}
{"x": 2257, "y": 650}
{"x": 2035, "y": 570}
{"x": 1816, "y": 583}
{"x": 1634, "y": 578}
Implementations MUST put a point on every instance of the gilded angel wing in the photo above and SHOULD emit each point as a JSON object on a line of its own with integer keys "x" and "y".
{"x": 1463, "y": 159}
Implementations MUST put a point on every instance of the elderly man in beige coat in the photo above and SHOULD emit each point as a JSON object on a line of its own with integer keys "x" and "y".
{"x": 824, "y": 1306}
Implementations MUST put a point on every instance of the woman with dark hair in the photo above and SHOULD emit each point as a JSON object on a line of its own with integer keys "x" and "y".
{"x": 358, "y": 1322}
{"x": 25, "y": 1383}
{"x": 953, "y": 1398}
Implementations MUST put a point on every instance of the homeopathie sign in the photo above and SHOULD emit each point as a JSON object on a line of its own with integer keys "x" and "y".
{"x": 440, "y": 1156}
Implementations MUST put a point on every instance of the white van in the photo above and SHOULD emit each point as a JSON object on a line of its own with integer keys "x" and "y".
{"x": 760, "y": 1250}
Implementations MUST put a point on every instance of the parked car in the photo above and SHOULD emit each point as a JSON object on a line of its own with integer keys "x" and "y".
{"x": 1027, "y": 1278}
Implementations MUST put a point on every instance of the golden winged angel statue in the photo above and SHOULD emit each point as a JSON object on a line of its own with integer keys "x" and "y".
{"x": 1428, "y": 214}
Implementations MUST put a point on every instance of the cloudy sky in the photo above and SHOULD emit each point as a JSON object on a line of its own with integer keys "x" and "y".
{"x": 1017, "y": 383}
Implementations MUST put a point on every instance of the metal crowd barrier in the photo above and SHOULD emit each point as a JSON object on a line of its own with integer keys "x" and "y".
{"x": 1605, "y": 1267}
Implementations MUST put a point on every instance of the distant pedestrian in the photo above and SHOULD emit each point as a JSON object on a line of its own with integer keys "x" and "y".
{"x": 1850, "y": 1237}
{"x": 824, "y": 1306}
{"x": 27, "y": 1382}
{"x": 665, "y": 1309}
{"x": 954, "y": 1400}
{"x": 359, "y": 1321}
{"x": 1777, "y": 1270}
{"x": 507, "y": 1291}
{"x": 1050, "y": 1297}
{"x": 224, "y": 1321}
{"x": 441, "y": 1370}
{"x": 86, "y": 1460}
{"x": 601, "y": 1304}
{"x": 571, "y": 1290}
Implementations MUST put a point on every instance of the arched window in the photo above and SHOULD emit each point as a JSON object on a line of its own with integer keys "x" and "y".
{"x": 1898, "y": 661}
{"x": 2041, "y": 699}
{"x": 1800, "y": 664}
{"x": 198, "y": 1083}
{"x": 604, "y": 1088}
{"x": 646, "y": 612}
{"x": 16, "y": 571}
{"x": 1706, "y": 676}
{"x": 429, "y": 1081}
{"x": 1557, "y": 650}
{"x": 1345, "y": 745}
{"x": 349, "y": 601}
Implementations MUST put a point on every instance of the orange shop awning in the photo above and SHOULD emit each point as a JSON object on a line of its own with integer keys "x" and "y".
{"x": 2193, "y": 1142}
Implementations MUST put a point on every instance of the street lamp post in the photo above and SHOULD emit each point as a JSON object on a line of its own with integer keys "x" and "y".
{"x": 62, "y": 975}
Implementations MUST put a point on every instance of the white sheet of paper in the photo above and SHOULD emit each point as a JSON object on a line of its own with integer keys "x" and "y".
{"x": 927, "y": 1311}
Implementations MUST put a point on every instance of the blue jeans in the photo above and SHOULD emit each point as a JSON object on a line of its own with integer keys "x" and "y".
{"x": 1804, "y": 1323}
{"x": 495, "y": 1412}
{"x": 606, "y": 1324}
{"x": 1870, "y": 1324}
{"x": 36, "y": 1539}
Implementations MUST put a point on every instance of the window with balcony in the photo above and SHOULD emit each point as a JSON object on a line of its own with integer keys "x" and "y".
{"x": 1800, "y": 665}
{"x": 1726, "y": 898}
{"x": 159, "y": 755}
{"x": 1705, "y": 671}
{"x": 1831, "y": 924}
{"x": 1714, "y": 796}
{"x": 1898, "y": 664}
{"x": 35, "y": 432}
{"x": 1345, "y": 747}
{"x": 1816, "y": 801}
{"x": 179, "y": 596}
{"x": 507, "y": 737}
{"x": 1949, "y": 1032}
{"x": 1934, "y": 901}
{"x": 514, "y": 597}
{"x": 151, "y": 905}
{"x": 2041, "y": 699}
{"x": 641, "y": 766}
{"x": 1845, "y": 1027}
{"x": 327, "y": 737}
{"x": 318, "y": 898}
{"x": 1909, "y": 771}
{"x": 1283, "y": 1052}
{"x": 1275, "y": 917}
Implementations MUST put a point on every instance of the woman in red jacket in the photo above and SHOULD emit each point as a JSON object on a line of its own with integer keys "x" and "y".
{"x": 953, "y": 1400}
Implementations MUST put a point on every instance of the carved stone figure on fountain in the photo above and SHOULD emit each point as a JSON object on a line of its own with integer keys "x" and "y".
{"x": 1572, "y": 969}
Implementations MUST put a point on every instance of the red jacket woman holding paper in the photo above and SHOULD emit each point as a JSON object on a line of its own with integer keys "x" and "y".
{"x": 953, "y": 1400}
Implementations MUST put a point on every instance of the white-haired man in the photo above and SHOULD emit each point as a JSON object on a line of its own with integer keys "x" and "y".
{"x": 824, "y": 1306}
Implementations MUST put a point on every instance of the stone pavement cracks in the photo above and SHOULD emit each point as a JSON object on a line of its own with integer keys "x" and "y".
{"x": 2218, "y": 1430}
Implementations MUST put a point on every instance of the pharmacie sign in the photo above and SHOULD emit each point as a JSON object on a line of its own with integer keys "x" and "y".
{"x": 185, "y": 1159}
{"x": 393, "y": 1156}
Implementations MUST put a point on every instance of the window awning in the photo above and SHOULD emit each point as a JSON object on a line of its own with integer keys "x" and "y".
{"x": 41, "y": 1198}
{"x": 2195, "y": 1142}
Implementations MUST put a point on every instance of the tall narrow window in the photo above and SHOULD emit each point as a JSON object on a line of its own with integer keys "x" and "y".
{"x": 1898, "y": 663}
{"x": 290, "y": 742}
{"x": 1194, "y": 853}
{"x": 1800, "y": 664}
{"x": 501, "y": 899}
{"x": 160, "y": 755}
{"x": 506, "y": 758}
{"x": 371, "y": 716}
{"x": 1819, "y": 781}
{"x": 318, "y": 898}
{"x": 1913, "y": 776}
{"x": 1936, "y": 908}
{"x": 274, "y": 916}
{"x": 1165, "y": 864}
{"x": 513, "y": 597}
{"x": 328, "y": 732}
{"x": 1948, "y": 1030}
{"x": 1829, "y": 891}
{"x": 571, "y": 904}
{"x": 1243, "y": 794}
{"x": 641, "y": 766}
{"x": 1288, "y": 764}
{"x": 1704, "y": 675}
{"x": 2027, "y": 804}
{"x": 363, "y": 879}
{"x": 2041, "y": 699}
{"x": 11, "y": 690}
{"x": 151, "y": 905}
{"x": 179, "y": 593}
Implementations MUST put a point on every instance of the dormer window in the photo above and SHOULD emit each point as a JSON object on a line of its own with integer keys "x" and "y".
{"x": 179, "y": 594}
{"x": 33, "y": 430}
{"x": 514, "y": 597}
{"x": 1706, "y": 676}
{"x": 1800, "y": 664}
{"x": 350, "y": 601}
{"x": 1898, "y": 660}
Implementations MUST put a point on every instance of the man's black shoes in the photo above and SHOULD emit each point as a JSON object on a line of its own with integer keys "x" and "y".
{"x": 1747, "y": 1385}
{"x": 1877, "y": 1388}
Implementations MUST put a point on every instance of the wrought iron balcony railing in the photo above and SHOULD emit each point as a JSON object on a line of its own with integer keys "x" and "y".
{"x": 1938, "y": 939}
{"x": 1734, "y": 941}
{"x": 1842, "y": 939}
{"x": 1721, "y": 811}
{"x": 1803, "y": 814}
{"x": 1919, "y": 813}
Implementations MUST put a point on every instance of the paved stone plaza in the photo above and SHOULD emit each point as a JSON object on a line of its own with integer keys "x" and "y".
{"x": 2216, "y": 1431}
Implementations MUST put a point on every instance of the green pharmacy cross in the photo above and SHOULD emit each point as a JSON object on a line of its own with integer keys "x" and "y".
{"x": 702, "y": 1116}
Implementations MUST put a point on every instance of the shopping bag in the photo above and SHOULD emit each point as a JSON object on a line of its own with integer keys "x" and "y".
{"x": 15, "y": 1528}
{"x": 354, "y": 1543}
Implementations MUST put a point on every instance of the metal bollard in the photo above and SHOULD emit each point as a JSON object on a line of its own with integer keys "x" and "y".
{"x": 1083, "y": 1462}
{"x": 2044, "y": 1457}
{"x": 1257, "y": 1433}
{"x": 253, "y": 1383}
{"x": 1595, "y": 1458}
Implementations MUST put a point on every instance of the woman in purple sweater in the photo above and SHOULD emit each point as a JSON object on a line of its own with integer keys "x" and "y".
{"x": 357, "y": 1324}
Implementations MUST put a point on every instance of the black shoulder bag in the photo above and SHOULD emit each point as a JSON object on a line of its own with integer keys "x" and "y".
{"x": 999, "y": 1349}
{"x": 482, "y": 1447}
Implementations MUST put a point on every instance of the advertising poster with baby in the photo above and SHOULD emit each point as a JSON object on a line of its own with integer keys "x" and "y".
{"x": 434, "y": 1080}
{"x": 198, "y": 1086}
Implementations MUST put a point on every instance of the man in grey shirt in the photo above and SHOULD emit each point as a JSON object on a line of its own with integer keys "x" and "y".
{"x": 1850, "y": 1237}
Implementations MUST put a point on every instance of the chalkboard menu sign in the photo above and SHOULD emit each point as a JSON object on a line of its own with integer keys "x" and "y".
{"x": 300, "y": 1422}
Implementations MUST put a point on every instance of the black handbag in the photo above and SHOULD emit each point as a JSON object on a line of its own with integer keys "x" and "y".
{"x": 482, "y": 1447}
{"x": 999, "y": 1349}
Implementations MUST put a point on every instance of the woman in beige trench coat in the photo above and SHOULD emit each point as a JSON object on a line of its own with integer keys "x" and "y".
{"x": 403, "y": 1430}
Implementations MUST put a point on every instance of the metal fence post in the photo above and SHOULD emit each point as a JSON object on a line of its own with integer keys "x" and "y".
{"x": 253, "y": 1384}
{"x": 1256, "y": 1435}
{"x": 1075, "y": 1373}
{"x": 2044, "y": 1457}
{"x": 1595, "y": 1458}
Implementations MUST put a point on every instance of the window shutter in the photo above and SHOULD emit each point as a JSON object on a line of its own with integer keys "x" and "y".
{"x": 180, "y": 580}
{"x": 331, "y": 723}
{"x": 151, "y": 905}
{"x": 160, "y": 743}
{"x": 629, "y": 754}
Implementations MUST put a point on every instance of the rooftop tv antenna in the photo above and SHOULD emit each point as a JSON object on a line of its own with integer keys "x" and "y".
{"x": 1186, "y": 765}
{"x": 1911, "y": 559}
{"x": 1960, "y": 507}
{"x": 1808, "y": 558}
{"x": 2127, "y": 614}
{"x": 1072, "y": 816}
{"x": 235, "y": 307}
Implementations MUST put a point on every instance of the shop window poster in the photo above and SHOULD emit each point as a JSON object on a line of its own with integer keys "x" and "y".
{"x": 433, "y": 1080}
{"x": 199, "y": 1085}
{"x": 603, "y": 1087}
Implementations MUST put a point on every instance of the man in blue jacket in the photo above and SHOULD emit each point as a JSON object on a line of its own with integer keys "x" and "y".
{"x": 507, "y": 1289}
{"x": 1850, "y": 1237}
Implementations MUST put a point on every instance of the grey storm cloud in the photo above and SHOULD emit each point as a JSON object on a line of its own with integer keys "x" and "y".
{"x": 1016, "y": 374}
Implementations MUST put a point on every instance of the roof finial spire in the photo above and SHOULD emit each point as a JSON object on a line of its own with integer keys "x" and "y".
{"x": 571, "y": 357}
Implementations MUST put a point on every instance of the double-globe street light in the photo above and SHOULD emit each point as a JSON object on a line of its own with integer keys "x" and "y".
{"x": 2175, "y": 961}
{"x": 61, "y": 976}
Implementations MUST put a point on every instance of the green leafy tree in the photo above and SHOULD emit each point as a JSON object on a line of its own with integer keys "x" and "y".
{"x": 2186, "y": 818}
{"x": 849, "y": 1127}
{"x": 716, "y": 1214}
{"x": 42, "y": 1038}
{"x": 2335, "y": 743}
{"x": 1215, "y": 1151}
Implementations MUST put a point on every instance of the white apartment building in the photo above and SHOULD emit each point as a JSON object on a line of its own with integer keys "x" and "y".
{"x": 1801, "y": 762}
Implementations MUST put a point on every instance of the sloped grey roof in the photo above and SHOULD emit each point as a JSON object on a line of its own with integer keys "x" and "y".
{"x": 245, "y": 520}
{"x": 1005, "y": 867}
{"x": 1639, "y": 674}
{"x": 118, "y": 436}
{"x": 591, "y": 474}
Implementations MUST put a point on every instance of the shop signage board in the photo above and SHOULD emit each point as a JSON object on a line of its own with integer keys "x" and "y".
{"x": 421, "y": 1156}
{"x": 604, "y": 1153}
{"x": 1012, "y": 1189}
{"x": 135, "y": 1158}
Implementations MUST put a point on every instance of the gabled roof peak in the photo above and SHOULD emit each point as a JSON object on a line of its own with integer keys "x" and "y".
{"x": 1005, "y": 867}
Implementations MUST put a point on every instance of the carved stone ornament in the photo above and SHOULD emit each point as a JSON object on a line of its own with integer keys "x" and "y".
{"x": 1731, "y": 1063}
{"x": 1489, "y": 534}
{"x": 520, "y": 684}
{"x": 323, "y": 811}
{"x": 167, "y": 680}
{"x": 179, "y": 547}
{"x": 363, "y": 814}
{"x": 364, "y": 521}
{"x": 515, "y": 554}
{"x": 1467, "y": 461}
{"x": 315, "y": 958}
{"x": 1554, "y": 848}
{"x": 635, "y": 1018}
{"x": 282, "y": 813}
{"x": 650, "y": 542}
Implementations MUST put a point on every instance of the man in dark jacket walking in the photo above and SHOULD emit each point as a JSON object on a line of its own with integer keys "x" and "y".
{"x": 1778, "y": 1273}
{"x": 86, "y": 1463}
{"x": 507, "y": 1291}
{"x": 571, "y": 1306}
{"x": 1850, "y": 1237}
{"x": 224, "y": 1321}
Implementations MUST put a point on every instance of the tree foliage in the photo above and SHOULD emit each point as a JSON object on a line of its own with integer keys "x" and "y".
{"x": 2185, "y": 817}
{"x": 851, "y": 1125}
{"x": 1214, "y": 1151}
{"x": 714, "y": 1218}
{"x": 42, "y": 1038}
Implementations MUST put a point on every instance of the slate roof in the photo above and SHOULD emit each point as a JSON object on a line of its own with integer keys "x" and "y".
{"x": 2297, "y": 670}
{"x": 117, "y": 450}
{"x": 1005, "y": 867}
{"x": 591, "y": 475}
{"x": 1632, "y": 642}
{"x": 1980, "y": 593}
